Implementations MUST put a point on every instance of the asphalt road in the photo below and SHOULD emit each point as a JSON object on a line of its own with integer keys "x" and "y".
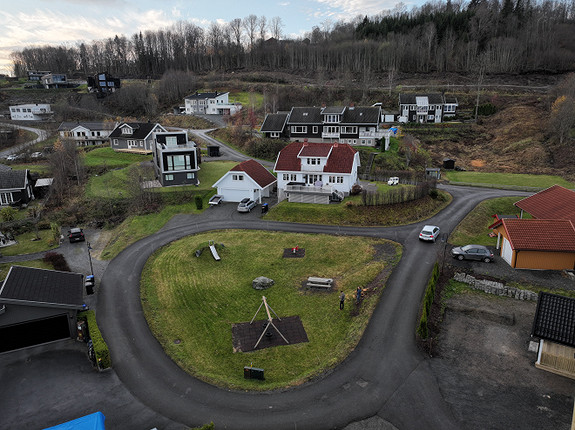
{"x": 386, "y": 375}
{"x": 42, "y": 135}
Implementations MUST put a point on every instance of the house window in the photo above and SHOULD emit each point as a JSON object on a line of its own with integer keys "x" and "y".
{"x": 314, "y": 129}
{"x": 116, "y": 142}
{"x": 178, "y": 162}
{"x": 336, "y": 179}
{"x": 313, "y": 161}
{"x": 237, "y": 177}
{"x": 126, "y": 130}
{"x": 171, "y": 141}
{"x": 349, "y": 130}
{"x": 293, "y": 177}
{"x": 311, "y": 179}
{"x": 331, "y": 130}
{"x": 169, "y": 177}
{"x": 274, "y": 134}
{"x": 430, "y": 117}
{"x": 6, "y": 198}
{"x": 332, "y": 118}
{"x": 299, "y": 129}
{"x": 190, "y": 176}
{"x": 412, "y": 107}
{"x": 285, "y": 177}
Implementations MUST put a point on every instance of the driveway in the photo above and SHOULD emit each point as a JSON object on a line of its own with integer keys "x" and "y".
{"x": 41, "y": 136}
{"x": 385, "y": 376}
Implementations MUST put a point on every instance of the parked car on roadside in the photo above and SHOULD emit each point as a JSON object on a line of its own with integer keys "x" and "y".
{"x": 12, "y": 157}
{"x": 429, "y": 233}
{"x": 394, "y": 180}
{"x": 76, "y": 235}
{"x": 246, "y": 205}
{"x": 36, "y": 155}
{"x": 472, "y": 252}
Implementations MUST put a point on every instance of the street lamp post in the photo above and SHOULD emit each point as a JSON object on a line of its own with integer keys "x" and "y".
{"x": 90, "y": 258}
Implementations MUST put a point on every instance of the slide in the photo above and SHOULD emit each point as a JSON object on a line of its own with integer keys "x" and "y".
{"x": 215, "y": 253}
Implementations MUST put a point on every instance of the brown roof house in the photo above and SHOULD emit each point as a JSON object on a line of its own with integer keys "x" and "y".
{"x": 554, "y": 325}
{"x": 546, "y": 242}
{"x": 249, "y": 179}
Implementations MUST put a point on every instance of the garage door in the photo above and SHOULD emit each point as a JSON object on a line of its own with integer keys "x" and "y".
{"x": 506, "y": 251}
{"x": 33, "y": 333}
{"x": 234, "y": 195}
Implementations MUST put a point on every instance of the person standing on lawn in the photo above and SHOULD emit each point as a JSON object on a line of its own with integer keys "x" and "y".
{"x": 358, "y": 293}
{"x": 341, "y": 300}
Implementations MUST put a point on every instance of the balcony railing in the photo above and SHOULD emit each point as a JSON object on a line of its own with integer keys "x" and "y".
{"x": 326, "y": 189}
{"x": 330, "y": 135}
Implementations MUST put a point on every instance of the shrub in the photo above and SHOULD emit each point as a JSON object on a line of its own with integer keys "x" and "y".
{"x": 422, "y": 329}
{"x": 100, "y": 347}
{"x": 8, "y": 214}
{"x": 433, "y": 193}
{"x": 355, "y": 190}
{"x": 57, "y": 260}
{"x": 199, "y": 202}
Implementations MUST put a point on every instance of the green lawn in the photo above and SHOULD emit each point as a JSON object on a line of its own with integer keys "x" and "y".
{"x": 351, "y": 212}
{"x": 26, "y": 244}
{"x": 109, "y": 185}
{"x": 191, "y": 303}
{"x": 38, "y": 264}
{"x": 245, "y": 98}
{"x": 41, "y": 168}
{"x": 507, "y": 179}
{"x": 108, "y": 157}
{"x": 473, "y": 228}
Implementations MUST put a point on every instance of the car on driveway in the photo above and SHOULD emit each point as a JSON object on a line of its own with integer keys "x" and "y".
{"x": 246, "y": 205}
{"x": 12, "y": 157}
{"x": 76, "y": 235}
{"x": 429, "y": 233}
{"x": 472, "y": 252}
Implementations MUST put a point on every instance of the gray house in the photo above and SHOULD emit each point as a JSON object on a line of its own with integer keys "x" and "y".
{"x": 38, "y": 306}
{"x": 15, "y": 187}
{"x": 175, "y": 159}
{"x": 137, "y": 137}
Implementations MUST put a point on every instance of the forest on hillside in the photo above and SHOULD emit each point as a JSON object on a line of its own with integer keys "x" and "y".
{"x": 507, "y": 37}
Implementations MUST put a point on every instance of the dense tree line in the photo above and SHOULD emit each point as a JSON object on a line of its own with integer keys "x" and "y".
{"x": 512, "y": 36}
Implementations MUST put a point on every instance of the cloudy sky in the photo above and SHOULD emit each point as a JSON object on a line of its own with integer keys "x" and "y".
{"x": 67, "y": 22}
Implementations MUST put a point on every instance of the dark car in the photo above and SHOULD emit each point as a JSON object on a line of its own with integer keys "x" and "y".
{"x": 76, "y": 235}
{"x": 246, "y": 205}
{"x": 472, "y": 252}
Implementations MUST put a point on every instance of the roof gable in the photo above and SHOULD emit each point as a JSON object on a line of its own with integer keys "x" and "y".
{"x": 274, "y": 122}
{"x": 41, "y": 287}
{"x": 340, "y": 156}
{"x": 555, "y": 202}
{"x": 140, "y": 130}
{"x": 305, "y": 115}
{"x": 555, "y": 319}
{"x": 540, "y": 235}
{"x": 256, "y": 171}
{"x": 361, "y": 115}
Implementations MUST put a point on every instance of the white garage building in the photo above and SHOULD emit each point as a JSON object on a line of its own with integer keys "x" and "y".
{"x": 248, "y": 179}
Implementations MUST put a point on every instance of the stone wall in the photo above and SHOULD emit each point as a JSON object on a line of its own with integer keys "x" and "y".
{"x": 497, "y": 288}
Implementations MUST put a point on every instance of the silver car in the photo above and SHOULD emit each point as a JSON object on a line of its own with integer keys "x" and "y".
{"x": 429, "y": 233}
{"x": 246, "y": 205}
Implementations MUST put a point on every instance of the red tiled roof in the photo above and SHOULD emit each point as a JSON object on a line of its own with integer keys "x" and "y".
{"x": 540, "y": 234}
{"x": 314, "y": 150}
{"x": 256, "y": 171}
{"x": 555, "y": 202}
{"x": 340, "y": 159}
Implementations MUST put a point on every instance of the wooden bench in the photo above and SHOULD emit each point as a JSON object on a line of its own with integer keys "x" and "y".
{"x": 312, "y": 281}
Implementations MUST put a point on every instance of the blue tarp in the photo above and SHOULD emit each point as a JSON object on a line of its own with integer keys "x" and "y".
{"x": 93, "y": 421}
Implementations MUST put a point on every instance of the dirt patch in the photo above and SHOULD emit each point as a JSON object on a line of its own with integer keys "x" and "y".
{"x": 486, "y": 373}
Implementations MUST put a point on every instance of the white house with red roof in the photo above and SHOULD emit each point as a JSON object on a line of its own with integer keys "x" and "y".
{"x": 248, "y": 179}
{"x": 313, "y": 172}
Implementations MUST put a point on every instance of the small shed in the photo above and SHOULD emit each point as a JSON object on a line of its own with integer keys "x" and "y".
{"x": 553, "y": 325}
{"x": 213, "y": 151}
{"x": 433, "y": 172}
{"x": 448, "y": 163}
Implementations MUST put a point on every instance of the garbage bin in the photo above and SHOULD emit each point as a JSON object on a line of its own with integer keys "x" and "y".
{"x": 264, "y": 208}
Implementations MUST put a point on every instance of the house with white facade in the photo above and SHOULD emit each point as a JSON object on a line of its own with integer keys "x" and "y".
{"x": 423, "y": 108}
{"x": 248, "y": 179}
{"x": 314, "y": 172}
{"x": 31, "y": 112}
{"x": 137, "y": 137}
{"x": 87, "y": 133}
{"x": 212, "y": 103}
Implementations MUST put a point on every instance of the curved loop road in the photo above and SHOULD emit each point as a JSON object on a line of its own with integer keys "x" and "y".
{"x": 386, "y": 375}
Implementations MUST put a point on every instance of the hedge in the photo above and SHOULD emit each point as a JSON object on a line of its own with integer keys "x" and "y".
{"x": 100, "y": 347}
{"x": 422, "y": 329}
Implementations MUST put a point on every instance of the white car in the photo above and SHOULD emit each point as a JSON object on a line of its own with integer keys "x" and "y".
{"x": 394, "y": 180}
{"x": 12, "y": 157}
{"x": 36, "y": 155}
{"x": 429, "y": 233}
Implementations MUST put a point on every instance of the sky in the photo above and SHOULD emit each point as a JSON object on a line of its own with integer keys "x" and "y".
{"x": 68, "y": 22}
